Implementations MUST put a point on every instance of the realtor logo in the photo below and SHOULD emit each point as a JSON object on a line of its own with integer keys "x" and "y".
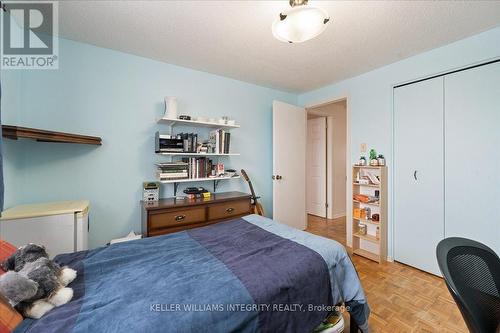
{"x": 29, "y": 30}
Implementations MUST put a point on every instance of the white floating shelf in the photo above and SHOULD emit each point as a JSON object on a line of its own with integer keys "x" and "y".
{"x": 171, "y": 122}
{"x": 197, "y": 154}
{"x": 191, "y": 180}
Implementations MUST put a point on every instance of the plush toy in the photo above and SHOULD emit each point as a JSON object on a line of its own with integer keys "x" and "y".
{"x": 34, "y": 284}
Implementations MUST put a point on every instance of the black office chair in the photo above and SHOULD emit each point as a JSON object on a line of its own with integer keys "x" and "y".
{"x": 471, "y": 271}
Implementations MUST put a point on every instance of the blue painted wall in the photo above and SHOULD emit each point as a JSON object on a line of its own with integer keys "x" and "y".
{"x": 370, "y": 95}
{"x": 119, "y": 96}
{"x": 13, "y": 166}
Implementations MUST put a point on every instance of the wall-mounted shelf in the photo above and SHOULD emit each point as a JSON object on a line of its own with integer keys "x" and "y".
{"x": 17, "y": 132}
{"x": 192, "y": 180}
{"x": 172, "y": 122}
{"x": 197, "y": 154}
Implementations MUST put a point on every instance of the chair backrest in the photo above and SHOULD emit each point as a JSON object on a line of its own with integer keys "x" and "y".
{"x": 472, "y": 274}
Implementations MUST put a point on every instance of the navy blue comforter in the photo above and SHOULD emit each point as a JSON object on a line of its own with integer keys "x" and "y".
{"x": 245, "y": 275}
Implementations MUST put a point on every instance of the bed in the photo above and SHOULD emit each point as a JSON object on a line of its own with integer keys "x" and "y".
{"x": 250, "y": 274}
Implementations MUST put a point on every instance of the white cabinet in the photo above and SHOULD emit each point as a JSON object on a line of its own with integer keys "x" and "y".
{"x": 446, "y": 168}
{"x": 62, "y": 227}
{"x": 418, "y": 173}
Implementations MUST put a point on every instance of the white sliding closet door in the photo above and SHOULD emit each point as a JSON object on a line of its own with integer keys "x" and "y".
{"x": 418, "y": 173}
{"x": 472, "y": 148}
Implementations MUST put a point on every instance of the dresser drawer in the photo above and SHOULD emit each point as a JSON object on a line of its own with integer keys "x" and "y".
{"x": 228, "y": 209}
{"x": 167, "y": 219}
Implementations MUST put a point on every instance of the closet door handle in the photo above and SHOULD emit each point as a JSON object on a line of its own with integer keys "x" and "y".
{"x": 415, "y": 175}
{"x": 230, "y": 210}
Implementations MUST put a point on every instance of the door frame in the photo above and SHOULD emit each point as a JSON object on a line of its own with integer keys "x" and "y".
{"x": 348, "y": 191}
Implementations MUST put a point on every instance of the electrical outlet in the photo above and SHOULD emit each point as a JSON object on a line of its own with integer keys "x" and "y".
{"x": 363, "y": 148}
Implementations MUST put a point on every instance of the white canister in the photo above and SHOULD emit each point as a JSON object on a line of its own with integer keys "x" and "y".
{"x": 170, "y": 107}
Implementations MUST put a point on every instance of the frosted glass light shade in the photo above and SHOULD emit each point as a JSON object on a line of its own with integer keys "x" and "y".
{"x": 299, "y": 24}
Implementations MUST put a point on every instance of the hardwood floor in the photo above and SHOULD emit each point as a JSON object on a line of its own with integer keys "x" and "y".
{"x": 401, "y": 298}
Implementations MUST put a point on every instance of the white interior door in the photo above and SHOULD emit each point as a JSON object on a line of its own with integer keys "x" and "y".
{"x": 289, "y": 164}
{"x": 472, "y": 137}
{"x": 418, "y": 173}
{"x": 316, "y": 166}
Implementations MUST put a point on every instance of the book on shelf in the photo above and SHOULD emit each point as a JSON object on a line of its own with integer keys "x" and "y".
{"x": 171, "y": 176}
{"x": 199, "y": 167}
{"x": 190, "y": 142}
{"x": 213, "y": 140}
{"x": 227, "y": 138}
{"x": 219, "y": 141}
{"x": 177, "y": 143}
{"x": 170, "y": 164}
{"x": 172, "y": 170}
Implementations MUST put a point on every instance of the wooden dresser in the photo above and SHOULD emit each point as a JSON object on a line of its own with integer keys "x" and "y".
{"x": 172, "y": 215}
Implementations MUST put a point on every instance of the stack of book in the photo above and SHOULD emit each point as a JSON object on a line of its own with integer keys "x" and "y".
{"x": 220, "y": 141}
{"x": 172, "y": 171}
{"x": 190, "y": 142}
{"x": 199, "y": 167}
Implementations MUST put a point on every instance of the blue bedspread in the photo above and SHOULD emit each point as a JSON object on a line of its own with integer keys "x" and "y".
{"x": 245, "y": 275}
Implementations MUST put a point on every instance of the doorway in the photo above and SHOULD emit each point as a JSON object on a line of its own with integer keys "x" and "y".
{"x": 326, "y": 175}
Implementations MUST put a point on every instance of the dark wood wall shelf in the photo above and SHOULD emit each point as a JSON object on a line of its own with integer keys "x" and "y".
{"x": 16, "y": 132}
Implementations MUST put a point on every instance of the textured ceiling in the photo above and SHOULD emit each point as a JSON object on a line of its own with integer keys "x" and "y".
{"x": 234, "y": 39}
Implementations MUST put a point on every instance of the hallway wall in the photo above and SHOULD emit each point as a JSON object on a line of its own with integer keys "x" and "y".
{"x": 336, "y": 114}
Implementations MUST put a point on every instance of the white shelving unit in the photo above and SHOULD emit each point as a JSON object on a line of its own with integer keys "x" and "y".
{"x": 371, "y": 245}
{"x": 171, "y": 123}
{"x": 194, "y": 123}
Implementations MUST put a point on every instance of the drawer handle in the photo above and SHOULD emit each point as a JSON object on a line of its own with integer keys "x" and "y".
{"x": 179, "y": 218}
{"x": 230, "y": 210}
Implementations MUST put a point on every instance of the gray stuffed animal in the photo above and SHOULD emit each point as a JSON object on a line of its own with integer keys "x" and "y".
{"x": 34, "y": 284}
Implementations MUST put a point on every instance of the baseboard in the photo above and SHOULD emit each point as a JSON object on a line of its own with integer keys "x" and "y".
{"x": 339, "y": 215}
{"x": 316, "y": 215}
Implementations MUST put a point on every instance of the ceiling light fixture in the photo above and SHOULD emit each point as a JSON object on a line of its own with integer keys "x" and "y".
{"x": 300, "y": 23}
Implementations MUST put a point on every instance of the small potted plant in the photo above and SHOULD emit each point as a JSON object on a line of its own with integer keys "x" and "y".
{"x": 373, "y": 157}
{"x": 362, "y": 161}
{"x": 381, "y": 160}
